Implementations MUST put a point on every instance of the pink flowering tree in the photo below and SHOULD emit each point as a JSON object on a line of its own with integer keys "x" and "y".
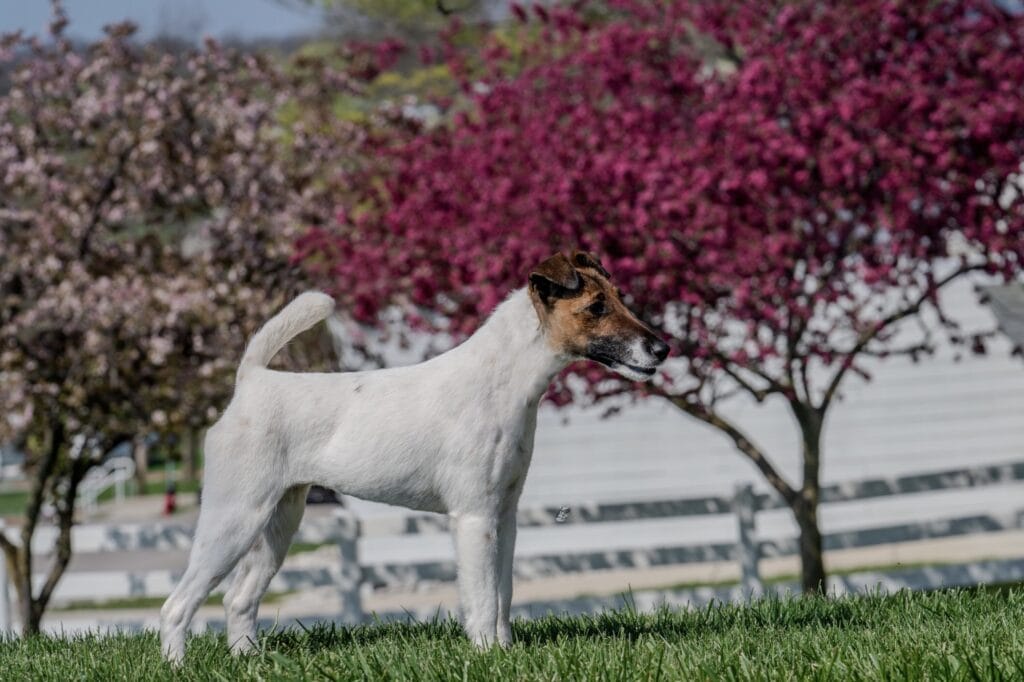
{"x": 776, "y": 186}
{"x": 147, "y": 207}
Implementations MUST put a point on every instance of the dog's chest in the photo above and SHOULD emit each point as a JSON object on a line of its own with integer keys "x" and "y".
{"x": 513, "y": 450}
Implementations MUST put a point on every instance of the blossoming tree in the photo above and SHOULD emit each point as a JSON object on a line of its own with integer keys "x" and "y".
{"x": 777, "y": 185}
{"x": 147, "y": 207}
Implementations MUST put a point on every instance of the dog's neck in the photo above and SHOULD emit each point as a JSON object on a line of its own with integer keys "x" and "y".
{"x": 512, "y": 348}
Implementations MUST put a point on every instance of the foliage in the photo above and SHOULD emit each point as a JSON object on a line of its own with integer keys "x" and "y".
{"x": 776, "y": 185}
{"x": 147, "y": 206}
{"x": 957, "y": 635}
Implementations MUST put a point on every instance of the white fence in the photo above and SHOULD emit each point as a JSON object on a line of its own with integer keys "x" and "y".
{"x": 354, "y": 576}
{"x": 114, "y": 473}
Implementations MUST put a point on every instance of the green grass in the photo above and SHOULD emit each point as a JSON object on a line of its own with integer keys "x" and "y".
{"x": 949, "y": 635}
{"x": 303, "y": 547}
{"x": 155, "y": 487}
{"x": 13, "y": 502}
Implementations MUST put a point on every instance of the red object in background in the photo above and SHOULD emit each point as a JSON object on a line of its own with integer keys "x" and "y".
{"x": 170, "y": 501}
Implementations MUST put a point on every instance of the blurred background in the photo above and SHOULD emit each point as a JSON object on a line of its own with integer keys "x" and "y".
{"x": 819, "y": 205}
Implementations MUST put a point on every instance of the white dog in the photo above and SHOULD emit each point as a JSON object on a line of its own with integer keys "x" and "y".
{"x": 452, "y": 435}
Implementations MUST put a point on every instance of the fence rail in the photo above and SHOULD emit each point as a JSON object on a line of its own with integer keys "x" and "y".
{"x": 351, "y": 574}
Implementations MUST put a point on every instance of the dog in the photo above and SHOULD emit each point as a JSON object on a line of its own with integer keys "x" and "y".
{"x": 452, "y": 435}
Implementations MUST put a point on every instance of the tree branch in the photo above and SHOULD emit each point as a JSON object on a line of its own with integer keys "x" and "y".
{"x": 38, "y": 490}
{"x": 10, "y": 555}
{"x": 10, "y": 551}
{"x": 759, "y": 394}
{"x": 28, "y": 528}
{"x": 869, "y": 334}
{"x": 743, "y": 443}
{"x": 6, "y": 545}
{"x": 66, "y": 517}
{"x": 804, "y": 381}
{"x": 106, "y": 191}
{"x": 793, "y": 336}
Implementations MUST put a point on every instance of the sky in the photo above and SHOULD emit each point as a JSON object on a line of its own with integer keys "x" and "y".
{"x": 190, "y": 19}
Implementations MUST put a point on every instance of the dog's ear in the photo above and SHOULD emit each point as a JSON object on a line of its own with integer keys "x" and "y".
{"x": 582, "y": 259}
{"x": 555, "y": 278}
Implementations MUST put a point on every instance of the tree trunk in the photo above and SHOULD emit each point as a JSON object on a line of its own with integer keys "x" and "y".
{"x": 36, "y": 604}
{"x": 812, "y": 564}
{"x": 30, "y": 615}
{"x": 803, "y": 501}
{"x": 805, "y": 506}
{"x": 190, "y": 454}
{"x": 44, "y": 477}
{"x": 140, "y": 455}
{"x": 24, "y": 590}
{"x": 33, "y": 617}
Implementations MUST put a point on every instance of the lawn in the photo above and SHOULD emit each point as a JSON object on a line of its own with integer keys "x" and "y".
{"x": 950, "y": 635}
{"x": 13, "y": 502}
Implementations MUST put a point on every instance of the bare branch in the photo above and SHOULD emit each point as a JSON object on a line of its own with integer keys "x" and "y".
{"x": 870, "y": 334}
{"x": 913, "y": 350}
{"x": 759, "y": 394}
{"x": 743, "y": 443}
{"x": 10, "y": 555}
{"x": 9, "y": 549}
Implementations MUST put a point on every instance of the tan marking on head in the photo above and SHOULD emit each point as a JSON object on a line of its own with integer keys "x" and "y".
{"x": 574, "y": 318}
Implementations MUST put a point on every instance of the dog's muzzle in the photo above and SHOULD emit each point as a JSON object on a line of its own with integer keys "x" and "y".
{"x": 637, "y": 359}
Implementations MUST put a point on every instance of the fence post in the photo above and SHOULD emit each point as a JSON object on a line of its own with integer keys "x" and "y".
{"x": 350, "y": 574}
{"x": 748, "y": 550}
{"x": 5, "y": 595}
{"x": 119, "y": 490}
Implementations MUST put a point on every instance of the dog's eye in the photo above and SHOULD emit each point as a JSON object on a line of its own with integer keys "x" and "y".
{"x": 597, "y": 308}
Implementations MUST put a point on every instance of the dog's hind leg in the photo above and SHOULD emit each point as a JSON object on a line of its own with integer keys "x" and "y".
{"x": 476, "y": 546}
{"x": 258, "y": 567}
{"x": 224, "y": 533}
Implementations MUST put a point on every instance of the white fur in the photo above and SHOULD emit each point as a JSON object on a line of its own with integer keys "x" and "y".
{"x": 451, "y": 435}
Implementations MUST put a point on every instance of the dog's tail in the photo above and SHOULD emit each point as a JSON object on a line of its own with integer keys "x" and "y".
{"x": 296, "y": 317}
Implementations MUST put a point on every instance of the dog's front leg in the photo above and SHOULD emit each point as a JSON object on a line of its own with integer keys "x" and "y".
{"x": 506, "y": 549}
{"x": 476, "y": 545}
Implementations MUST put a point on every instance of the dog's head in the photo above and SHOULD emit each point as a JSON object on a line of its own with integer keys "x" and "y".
{"x": 584, "y": 316}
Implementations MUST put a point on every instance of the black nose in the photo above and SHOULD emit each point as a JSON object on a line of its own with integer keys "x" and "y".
{"x": 658, "y": 349}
